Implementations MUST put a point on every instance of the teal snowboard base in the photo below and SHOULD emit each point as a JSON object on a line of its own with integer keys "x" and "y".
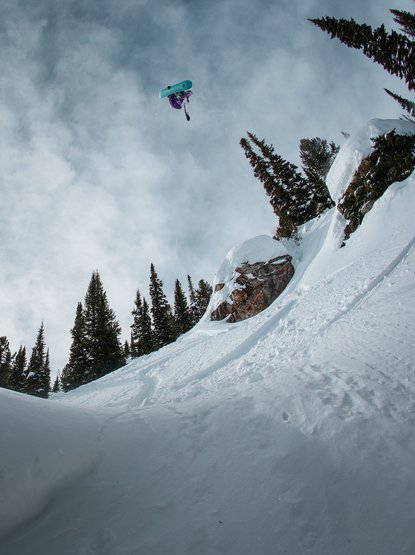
{"x": 172, "y": 89}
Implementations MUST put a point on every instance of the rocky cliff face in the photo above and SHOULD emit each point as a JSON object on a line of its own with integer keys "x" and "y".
{"x": 256, "y": 286}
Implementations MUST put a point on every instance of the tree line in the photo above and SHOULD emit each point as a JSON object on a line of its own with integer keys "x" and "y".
{"x": 96, "y": 348}
{"x": 31, "y": 377}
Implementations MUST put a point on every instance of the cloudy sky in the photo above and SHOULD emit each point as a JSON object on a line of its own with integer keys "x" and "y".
{"x": 97, "y": 173}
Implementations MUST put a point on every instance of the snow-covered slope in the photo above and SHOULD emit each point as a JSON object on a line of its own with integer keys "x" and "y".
{"x": 291, "y": 432}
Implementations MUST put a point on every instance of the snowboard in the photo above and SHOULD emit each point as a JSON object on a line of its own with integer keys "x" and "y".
{"x": 171, "y": 89}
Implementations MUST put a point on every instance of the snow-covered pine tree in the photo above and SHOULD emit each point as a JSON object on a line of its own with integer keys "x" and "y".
{"x": 79, "y": 367}
{"x": 203, "y": 294}
{"x": 5, "y": 363}
{"x": 163, "y": 323}
{"x": 37, "y": 382}
{"x": 394, "y": 51}
{"x": 19, "y": 370}
{"x": 182, "y": 314}
{"x": 102, "y": 332}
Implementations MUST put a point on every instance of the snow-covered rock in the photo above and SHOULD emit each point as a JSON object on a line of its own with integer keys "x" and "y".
{"x": 252, "y": 276}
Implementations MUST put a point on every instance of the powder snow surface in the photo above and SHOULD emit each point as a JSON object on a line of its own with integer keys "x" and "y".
{"x": 288, "y": 433}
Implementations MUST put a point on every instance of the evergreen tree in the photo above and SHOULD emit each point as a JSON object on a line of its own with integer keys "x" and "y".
{"x": 182, "y": 315}
{"x": 160, "y": 311}
{"x": 56, "y": 385}
{"x": 79, "y": 367}
{"x": 407, "y": 105}
{"x": 317, "y": 157}
{"x": 102, "y": 332}
{"x": 5, "y": 363}
{"x": 277, "y": 177}
{"x": 45, "y": 377}
{"x": 406, "y": 21}
{"x": 19, "y": 370}
{"x": 142, "y": 335}
{"x": 127, "y": 350}
{"x": 192, "y": 301}
{"x": 203, "y": 295}
{"x": 135, "y": 326}
{"x": 294, "y": 198}
{"x": 394, "y": 51}
{"x": 38, "y": 371}
{"x": 147, "y": 341}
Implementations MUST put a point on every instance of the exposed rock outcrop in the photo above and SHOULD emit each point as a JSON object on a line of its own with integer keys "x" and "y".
{"x": 256, "y": 286}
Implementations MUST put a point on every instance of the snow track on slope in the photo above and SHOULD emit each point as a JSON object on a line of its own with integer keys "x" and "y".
{"x": 375, "y": 282}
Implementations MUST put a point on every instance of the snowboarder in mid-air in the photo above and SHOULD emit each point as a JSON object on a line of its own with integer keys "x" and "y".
{"x": 178, "y": 95}
{"x": 178, "y": 101}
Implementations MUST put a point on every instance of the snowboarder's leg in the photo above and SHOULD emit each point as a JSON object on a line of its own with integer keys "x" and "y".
{"x": 185, "y": 112}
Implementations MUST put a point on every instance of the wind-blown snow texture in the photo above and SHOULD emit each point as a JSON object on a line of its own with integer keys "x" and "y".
{"x": 289, "y": 433}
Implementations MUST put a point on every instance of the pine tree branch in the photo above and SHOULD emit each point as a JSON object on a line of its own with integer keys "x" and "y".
{"x": 407, "y": 105}
{"x": 394, "y": 51}
{"x": 406, "y": 21}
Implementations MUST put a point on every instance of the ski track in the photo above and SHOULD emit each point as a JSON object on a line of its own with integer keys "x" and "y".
{"x": 392, "y": 394}
{"x": 374, "y": 283}
{"x": 242, "y": 349}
